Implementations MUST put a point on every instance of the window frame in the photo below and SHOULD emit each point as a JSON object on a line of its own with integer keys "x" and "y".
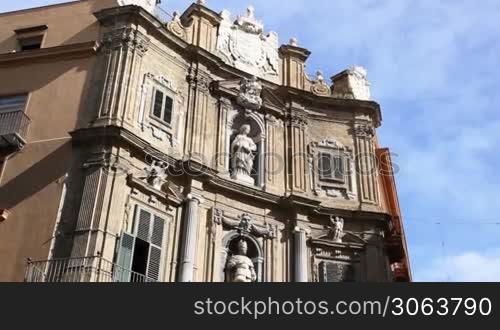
{"x": 334, "y": 158}
{"x": 132, "y": 232}
{"x": 167, "y": 92}
{"x": 32, "y": 32}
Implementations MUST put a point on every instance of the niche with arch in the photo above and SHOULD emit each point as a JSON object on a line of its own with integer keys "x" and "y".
{"x": 230, "y": 248}
{"x": 258, "y": 135}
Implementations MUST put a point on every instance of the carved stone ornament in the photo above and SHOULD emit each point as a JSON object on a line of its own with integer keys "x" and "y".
{"x": 126, "y": 37}
{"x": 353, "y": 84}
{"x": 242, "y": 151}
{"x": 249, "y": 96}
{"x": 245, "y": 225}
{"x": 175, "y": 26}
{"x": 364, "y": 130}
{"x": 337, "y": 228}
{"x": 331, "y": 143}
{"x": 243, "y": 45}
{"x": 319, "y": 87}
{"x": 156, "y": 174}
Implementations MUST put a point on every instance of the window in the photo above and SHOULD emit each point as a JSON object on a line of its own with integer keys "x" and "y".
{"x": 331, "y": 167}
{"x": 30, "y": 43}
{"x": 162, "y": 106}
{"x": 31, "y": 37}
{"x": 139, "y": 254}
{"x": 13, "y": 103}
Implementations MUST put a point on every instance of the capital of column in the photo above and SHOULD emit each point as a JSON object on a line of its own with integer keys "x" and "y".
{"x": 302, "y": 229}
{"x": 194, "y": 198}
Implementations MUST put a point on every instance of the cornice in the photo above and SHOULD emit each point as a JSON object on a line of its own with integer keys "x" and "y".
{"x": 220, "y": 68}
{"x": 84, "y": 49}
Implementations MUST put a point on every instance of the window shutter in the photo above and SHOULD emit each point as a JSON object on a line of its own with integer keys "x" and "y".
{"x": 339, "y": 167}
{"x": 124, "y": 261}
{"x": 158, "y": 104}
{"x": 154, "y": 262}
{"x": 158, "y": 229}
{"x": 143, "y": 225}
{"x": 325, "y": 165}
{"x": 167, "y": 114}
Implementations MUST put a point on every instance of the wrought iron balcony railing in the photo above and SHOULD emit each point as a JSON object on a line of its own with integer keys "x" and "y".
{"x": 13, "y": 128}
{"x": 88, "y": 269}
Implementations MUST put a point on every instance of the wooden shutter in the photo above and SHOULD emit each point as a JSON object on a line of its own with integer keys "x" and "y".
{"x": 338, "y": 163}
{"x": 158, "y": 104}
{"x": 124, "y": 260}
{"x": 144, "y": 225}
{"x": 325, "y": 165}
{"x": 167, "y": 109}
{"x": 155, "y": 249}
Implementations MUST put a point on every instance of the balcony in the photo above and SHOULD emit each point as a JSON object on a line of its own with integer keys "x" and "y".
{"x": 88, "y": 269}
{"x": 13, "y": 129}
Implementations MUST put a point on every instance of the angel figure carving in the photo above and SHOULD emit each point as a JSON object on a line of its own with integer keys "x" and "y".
{"x": 337, "y": 228}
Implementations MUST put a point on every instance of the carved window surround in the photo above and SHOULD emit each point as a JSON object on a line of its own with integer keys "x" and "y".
{"x": 334, "y": 186}
{"x": 160, "y": 129}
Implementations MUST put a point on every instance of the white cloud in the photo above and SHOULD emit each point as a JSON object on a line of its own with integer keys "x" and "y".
{"x": 466, "y": 267}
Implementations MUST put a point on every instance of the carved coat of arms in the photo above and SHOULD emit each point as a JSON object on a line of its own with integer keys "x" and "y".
{"x": 244, "y": 46}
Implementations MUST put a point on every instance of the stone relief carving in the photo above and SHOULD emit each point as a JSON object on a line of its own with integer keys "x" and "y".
{"x": 127, "y": 37}
{"x": 249, "y": 95}
{"x": 353, "y": 84}
{"x": 242, "y": 151}
{"x": 239, "y": 267}
{"x": 364, "y": 130}
{"x": 319, "y": 86}
{"x": 156, "y": 174}
{"x": 242, "y": 44}
{"x": 175, "y": 26}
{"x": 245, "y": 225}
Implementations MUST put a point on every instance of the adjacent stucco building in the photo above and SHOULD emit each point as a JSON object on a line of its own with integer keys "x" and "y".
{"x": 139, "y": 146}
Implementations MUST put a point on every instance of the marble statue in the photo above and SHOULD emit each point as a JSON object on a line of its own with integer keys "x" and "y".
{"x": 242, "y": 150}
{"x": 239, "y": 267}
{"x": 337, "y": 228}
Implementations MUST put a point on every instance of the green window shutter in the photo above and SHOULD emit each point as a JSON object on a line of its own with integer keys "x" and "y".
{"x": 143, "y": 225}
{"x": 158, "y": 104}
{"x": 168, "y": 105}
{"x": 158, "y": 229}
{"x": 154, "y": 262}
{"x": 124, "y": 260}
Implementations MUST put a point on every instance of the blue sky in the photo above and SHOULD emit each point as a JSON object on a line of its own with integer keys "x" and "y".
{"x": 434, "y": 70}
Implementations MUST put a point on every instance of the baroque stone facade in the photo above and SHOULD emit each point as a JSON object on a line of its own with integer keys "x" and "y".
{"x": 209, "y": 155}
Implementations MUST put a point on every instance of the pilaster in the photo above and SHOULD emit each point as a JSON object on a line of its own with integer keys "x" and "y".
{"x": 123, "y": 49}
{"x": 365, "y": 162}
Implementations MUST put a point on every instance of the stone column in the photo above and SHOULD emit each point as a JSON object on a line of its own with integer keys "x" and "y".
{"x": 300, "y": 255}
{"x": 189, "y": 238}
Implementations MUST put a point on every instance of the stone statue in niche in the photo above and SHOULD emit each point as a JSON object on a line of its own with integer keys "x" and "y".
{"x": 242, "y": 152}
{"x": 239, "y": 267}
{"x": 337, "y": 228}
{"x": 156, "y": 174}
{"x": 249, "y": 96}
